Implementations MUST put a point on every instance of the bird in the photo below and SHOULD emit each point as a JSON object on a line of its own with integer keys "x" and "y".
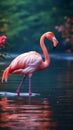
{"x": 29, "y": 62}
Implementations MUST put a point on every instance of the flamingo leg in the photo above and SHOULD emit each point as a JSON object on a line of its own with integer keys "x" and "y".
{"x": 30, "y": 92}
{"x": 20, "y": 85}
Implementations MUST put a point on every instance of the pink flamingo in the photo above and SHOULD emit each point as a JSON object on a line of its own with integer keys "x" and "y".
{"x": 30, "y": 62}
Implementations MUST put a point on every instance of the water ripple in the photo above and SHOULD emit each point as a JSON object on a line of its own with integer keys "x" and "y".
{"x": 10, "y": 94}
{"x": 26, "y": 114}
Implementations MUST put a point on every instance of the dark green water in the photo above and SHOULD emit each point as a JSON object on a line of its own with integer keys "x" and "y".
{"x": 51, "y": 105}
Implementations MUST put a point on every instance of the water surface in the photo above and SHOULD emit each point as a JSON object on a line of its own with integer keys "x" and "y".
{"x": 51, "y": 105}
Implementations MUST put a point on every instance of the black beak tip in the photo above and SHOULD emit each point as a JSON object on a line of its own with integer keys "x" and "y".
{"x": 54, "y": 48}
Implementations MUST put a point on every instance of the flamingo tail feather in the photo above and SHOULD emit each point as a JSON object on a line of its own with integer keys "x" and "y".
{"x": 5, "y": 74}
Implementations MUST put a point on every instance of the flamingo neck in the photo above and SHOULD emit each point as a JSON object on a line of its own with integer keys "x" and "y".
{"x": 44, "y": 49}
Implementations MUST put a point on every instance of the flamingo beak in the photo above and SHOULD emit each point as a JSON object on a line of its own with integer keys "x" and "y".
{"x": 55, "y": 43}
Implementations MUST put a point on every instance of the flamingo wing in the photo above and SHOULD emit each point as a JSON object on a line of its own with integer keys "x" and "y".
{"x": 26, "y": 63}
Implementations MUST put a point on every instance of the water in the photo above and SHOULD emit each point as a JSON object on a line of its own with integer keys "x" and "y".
{"x": 51, "y": 105}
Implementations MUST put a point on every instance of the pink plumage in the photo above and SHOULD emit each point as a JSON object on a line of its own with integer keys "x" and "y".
{"x": 30, "y": 62}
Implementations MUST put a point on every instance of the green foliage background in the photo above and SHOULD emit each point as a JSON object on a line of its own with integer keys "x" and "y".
{"x": 24, "y": 21}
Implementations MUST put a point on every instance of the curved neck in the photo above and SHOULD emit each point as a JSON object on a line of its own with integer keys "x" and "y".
{"x": 44, "y": 49}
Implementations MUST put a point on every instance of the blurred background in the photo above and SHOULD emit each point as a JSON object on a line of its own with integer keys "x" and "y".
{"x": 23, "y": 22}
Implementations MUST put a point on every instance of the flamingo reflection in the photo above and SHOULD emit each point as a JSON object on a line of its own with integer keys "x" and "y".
{"x": 19, "y": 114}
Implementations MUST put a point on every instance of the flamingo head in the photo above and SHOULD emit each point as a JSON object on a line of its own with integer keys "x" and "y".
{"x": 50, "y": 36}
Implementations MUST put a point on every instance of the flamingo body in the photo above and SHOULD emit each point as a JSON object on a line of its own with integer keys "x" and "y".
{"x": 26, "y": 63}
{"x": 30, "y": 62}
